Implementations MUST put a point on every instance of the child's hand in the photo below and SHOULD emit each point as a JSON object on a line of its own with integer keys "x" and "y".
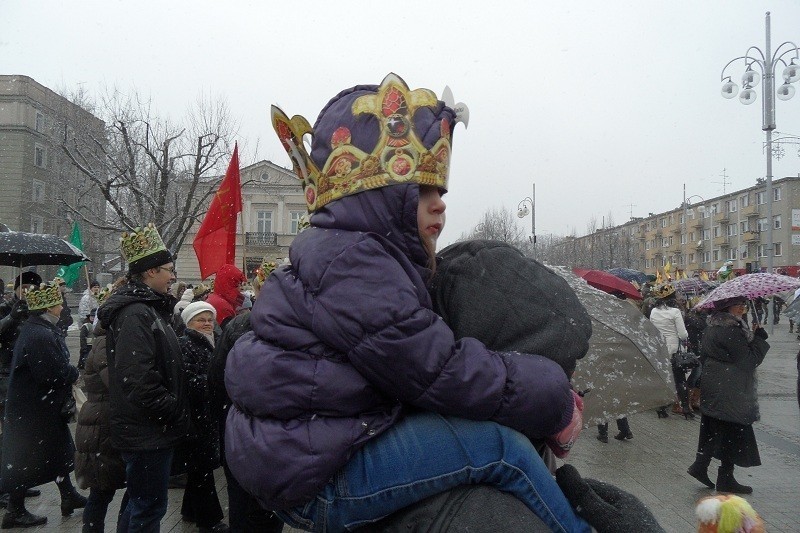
{"x": 562, "y": 442}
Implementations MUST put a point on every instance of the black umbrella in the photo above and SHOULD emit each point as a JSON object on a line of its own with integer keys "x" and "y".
{"x": 22, "y": 249}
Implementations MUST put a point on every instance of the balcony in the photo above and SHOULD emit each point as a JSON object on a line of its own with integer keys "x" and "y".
{"x": 722, "y": 242}
{"x": 722, "y": 217}
{"x": 698, "y": 223}
{"x": 749, "y": 211}
{"x": 677, "y": 229}
{"x": 750, "y": 236}
{"x": 675, "y": 249}
{"x": 261, "y": 239}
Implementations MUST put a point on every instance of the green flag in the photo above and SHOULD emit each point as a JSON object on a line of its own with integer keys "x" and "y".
{"x": 72, "y": 272}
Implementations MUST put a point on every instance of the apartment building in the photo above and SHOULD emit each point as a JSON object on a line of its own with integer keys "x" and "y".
{"x": 36, "y": 175}
{"x": 701, "y": 235}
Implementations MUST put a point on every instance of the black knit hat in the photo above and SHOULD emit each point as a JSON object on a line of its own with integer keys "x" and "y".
{"x": 27, "y": 278}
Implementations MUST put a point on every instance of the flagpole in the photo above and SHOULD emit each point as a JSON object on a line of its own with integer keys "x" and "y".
{"x": 244, "y": 245}
{"x": 86, "y": 271}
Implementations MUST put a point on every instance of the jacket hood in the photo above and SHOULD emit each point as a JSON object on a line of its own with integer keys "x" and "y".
{"x": 390, "y": 212}
{"x": 226, "y": 283}
{"x": 134, "y": 292}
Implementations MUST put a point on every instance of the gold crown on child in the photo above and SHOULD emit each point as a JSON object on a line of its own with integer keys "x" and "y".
{"x": 399, "y": 155}
{"x": 45, "y": 296}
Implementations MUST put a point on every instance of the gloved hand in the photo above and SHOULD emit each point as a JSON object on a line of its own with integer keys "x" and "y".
{"x": 607, "y": 508}
{"x": 561, "y": 443}
{"x": 19, "y": 310}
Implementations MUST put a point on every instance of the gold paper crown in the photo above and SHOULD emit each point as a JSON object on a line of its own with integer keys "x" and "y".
{"x": 200, "y": 289}
{"x": 45, "y": 296}
{"x": 141, "y": 243}
{"x": 664, "y": 290}
{"x": 398, "y": 157}
{"x": 104, "y": 293}
{"x": 264, "y": 270}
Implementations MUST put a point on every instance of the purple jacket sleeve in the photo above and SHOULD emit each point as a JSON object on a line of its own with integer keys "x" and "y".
{"x": 368, "y": 308}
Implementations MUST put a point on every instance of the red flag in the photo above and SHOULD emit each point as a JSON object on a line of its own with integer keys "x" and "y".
{"x": 215, "y": 243}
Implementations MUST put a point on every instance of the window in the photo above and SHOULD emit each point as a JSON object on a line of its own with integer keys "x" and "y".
{"x": 731, "y": 230}
{"x": 706, "y": 257}
{"x": 762, "y": 250}
{"x": 744, "y": 201}
{"x": 652, "y": 224}
{"x": 717, "y": 232}
{"x": 691, "y": 258}
{"x": 683, "y": 238}
{"x": 742, "y": 227}
{"x": 39, "y": 122}
{"x": 776, "y": 194}
{"x": 37, "y": 190}
{"x": 671, "y": 219}
{"x": 732, "y": 206}
{"x": 706, "y": 234}
{"x": 760, "y": 198}
{"x": 663, "y": 222}
{"x": 39, "y": 156}
{"x": 732, "y": 254}
{"x": 264, "y": 221}
{"x": 744, "y": 252}
{"x": 776, "y": 222}
{"x": 762, "y": 224}
{"x": 264, "y": 176}
{"x": 294, "y": 221}
{"x": 37, "y": 224}
{"x": 716, "y": 255}
{"x": 706, "y": 212}
{"x": 778, "y": 249}
{"x": 715, "y": 208}
{"x": 683, "y": 219}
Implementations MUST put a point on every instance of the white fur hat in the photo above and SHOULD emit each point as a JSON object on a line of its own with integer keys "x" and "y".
{"x": 195, "y": 308}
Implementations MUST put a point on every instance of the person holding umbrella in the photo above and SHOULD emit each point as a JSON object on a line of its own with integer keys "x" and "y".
{"x": 37, "y": 443}
{"x": 731, "y": 352}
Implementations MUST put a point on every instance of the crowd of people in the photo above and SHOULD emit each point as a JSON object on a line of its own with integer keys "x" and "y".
{"x": 316, "y": 390}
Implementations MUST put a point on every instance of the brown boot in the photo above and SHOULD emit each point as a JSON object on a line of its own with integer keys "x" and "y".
{"x": 694, "y": 398}
{"x": 676, "y": 408}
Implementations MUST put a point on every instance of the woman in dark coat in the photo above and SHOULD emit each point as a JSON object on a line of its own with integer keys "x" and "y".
{"x": 731, "y": 352}
{"x": 98, "y": 466}
{"x": 201, "y": 451}
{"x": 37, "y": 443}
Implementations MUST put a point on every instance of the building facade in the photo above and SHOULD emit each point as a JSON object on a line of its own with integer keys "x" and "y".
{"x": 701, "y": 236}
{"x": 37, "y": 177}
{"x": 272, "y": 204}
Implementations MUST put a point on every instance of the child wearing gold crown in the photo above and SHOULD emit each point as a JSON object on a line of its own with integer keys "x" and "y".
{"x": 351, "y": 397}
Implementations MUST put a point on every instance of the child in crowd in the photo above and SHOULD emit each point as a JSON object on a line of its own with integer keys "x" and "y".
{"x": 87, "y": 337}
{"x": 351, "y": 397}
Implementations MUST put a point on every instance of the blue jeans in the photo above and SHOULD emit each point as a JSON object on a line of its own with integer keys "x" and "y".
{"x": 147, "y": 475}
{"x": 426, "y": 454}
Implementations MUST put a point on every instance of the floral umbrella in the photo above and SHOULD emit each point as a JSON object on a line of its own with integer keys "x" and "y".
{"x": 750, "y": 286}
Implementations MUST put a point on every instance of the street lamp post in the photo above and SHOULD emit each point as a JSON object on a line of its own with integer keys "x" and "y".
{"x": 522, "y": 212}
{"x": 767, "y": 62}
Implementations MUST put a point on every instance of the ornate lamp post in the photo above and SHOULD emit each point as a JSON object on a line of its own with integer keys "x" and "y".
{"x": 768, "y": 63}
{"x": 522, "y": 212}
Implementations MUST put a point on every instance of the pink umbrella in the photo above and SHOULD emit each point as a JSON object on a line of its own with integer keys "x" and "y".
{"x": 608, "y": 283}
{"x": 750, "y": 286}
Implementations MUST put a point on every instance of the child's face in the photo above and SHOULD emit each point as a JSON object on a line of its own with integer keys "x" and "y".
{"x": 430, "y": 213}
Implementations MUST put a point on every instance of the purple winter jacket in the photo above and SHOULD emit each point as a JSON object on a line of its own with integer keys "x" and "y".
{"x": 345, "y": 337}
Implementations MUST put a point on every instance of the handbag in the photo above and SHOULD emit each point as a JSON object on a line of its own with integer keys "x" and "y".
{"x": 685, "y": 360}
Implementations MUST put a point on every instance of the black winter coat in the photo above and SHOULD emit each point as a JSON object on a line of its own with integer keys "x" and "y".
{"x": 149, "y": 406}
{"x": 98, "y": 464}
{"x": 201, "y": 451}
{"x": 728, "y": 387}
{"x": 9, "y": 333}
{"x": 37, "y": 443}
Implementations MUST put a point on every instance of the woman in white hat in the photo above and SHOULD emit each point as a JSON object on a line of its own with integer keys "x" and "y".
{"x": 201, "y": 452}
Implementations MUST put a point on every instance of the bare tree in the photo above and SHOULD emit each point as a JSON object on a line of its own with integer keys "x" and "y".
{"x": 498, "y": 225}
{"x": 147, "y": 168}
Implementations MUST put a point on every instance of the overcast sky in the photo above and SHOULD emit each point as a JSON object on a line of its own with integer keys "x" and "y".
{"x": 609, "y": 107}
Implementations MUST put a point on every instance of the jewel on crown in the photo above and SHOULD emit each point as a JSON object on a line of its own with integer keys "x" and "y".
{"x": 399, "y": 156}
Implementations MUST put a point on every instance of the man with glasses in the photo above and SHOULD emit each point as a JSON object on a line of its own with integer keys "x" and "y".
{"x": 149, "y": 403}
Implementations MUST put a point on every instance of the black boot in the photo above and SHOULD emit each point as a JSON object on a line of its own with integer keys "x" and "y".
{"x": 17, "y": 515}
{"x": 624, "y": 429}
{"x": 70, "y": 498}
{"x": 699, "y": 470}
{"x": 727, "y": 483}
{"x": 602, "y": 432}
